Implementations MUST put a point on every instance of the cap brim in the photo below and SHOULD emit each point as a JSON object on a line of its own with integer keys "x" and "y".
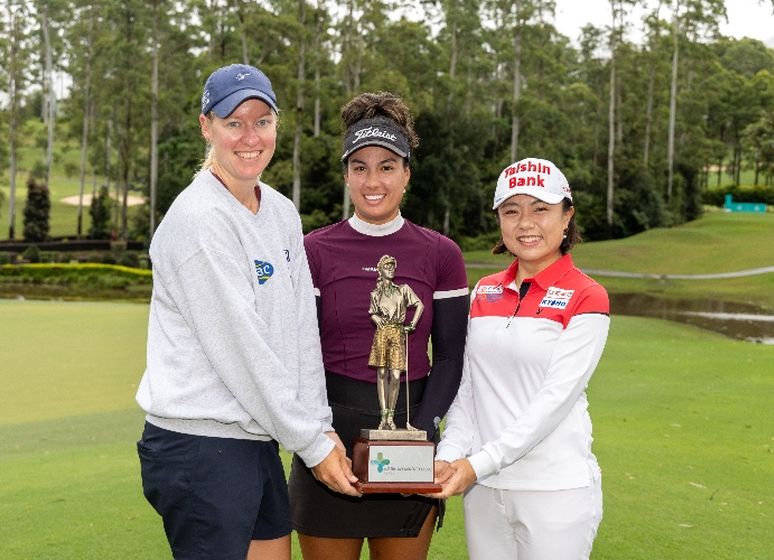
{"x": 375, "y": 142}
{"x": 548, "y": 198}
{"x": 228, "y": 104}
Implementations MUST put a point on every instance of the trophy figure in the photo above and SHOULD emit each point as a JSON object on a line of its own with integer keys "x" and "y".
{"x": 389, "y": 351}
{"x": 390, "y": 459}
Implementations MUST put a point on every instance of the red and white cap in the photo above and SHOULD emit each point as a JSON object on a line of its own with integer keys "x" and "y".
{"x": 535, "y": 177}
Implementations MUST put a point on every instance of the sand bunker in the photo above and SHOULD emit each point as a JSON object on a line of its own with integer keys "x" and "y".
{"x": 131, "y": 200}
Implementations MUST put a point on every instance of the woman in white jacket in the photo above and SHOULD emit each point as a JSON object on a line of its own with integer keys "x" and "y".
{"x": 518, "y": 435}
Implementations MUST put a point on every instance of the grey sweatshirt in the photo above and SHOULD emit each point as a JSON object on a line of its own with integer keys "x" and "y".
{"x": 233, "y": 345}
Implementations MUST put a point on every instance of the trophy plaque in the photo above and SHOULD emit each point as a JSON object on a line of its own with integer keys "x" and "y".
{"x": 388, "y": 459}
{"x": 386, "y": 462}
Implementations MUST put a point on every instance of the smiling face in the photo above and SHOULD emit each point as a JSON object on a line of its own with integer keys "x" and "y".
{"x": 533, "y": 231}
{"x": 376, "y": 178}
{"x": 243, "y": 143}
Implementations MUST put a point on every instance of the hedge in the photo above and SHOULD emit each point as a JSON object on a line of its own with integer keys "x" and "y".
{"x": 75, "y": 281}
{"x": 717, "y": 197}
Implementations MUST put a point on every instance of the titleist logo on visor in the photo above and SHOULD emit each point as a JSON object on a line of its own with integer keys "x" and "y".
{"x": 378, "y": 131}
{"x": 373, "y": 131}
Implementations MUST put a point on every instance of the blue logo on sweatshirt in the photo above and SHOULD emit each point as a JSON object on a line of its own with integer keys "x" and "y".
{"x": 264, "y": 270}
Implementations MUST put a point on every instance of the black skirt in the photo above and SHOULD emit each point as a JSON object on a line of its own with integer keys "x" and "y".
{"x": 319, "y": 512}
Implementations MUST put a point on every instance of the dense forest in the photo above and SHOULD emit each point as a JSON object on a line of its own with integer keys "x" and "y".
{"x": 641, "y": 128}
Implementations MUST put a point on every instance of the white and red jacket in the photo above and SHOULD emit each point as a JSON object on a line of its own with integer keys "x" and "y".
{"x": 520, "y": 416}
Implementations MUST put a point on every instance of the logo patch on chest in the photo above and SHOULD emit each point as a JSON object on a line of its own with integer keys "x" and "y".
{"x": 490, "y": 293}
{"x": 264, "y": 270}
{"x": 556, "y": 298}
{"x": 490, "y": 290}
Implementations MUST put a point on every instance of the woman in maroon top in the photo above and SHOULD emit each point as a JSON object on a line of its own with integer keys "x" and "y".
{"x": 378, "y": 145}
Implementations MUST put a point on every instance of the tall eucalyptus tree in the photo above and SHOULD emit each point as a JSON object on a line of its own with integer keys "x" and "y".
{"x": 49, "y": 96}
{"x": 16, "y": 58}
{"x": 691, "y": 19}
{"x": 435, "y": 65}
{"x": 654, "y": 28}
{"x": 357, "y": 28}
{"x": 81, "y": 41}
{"x": 300, "y": 102}
{"x": 673, "y": 98}
{"x": 156, "y": 13}
{"x": 128, "y": 86}
{"x": 317, "y": 57}
{"x": 617, "y": 10}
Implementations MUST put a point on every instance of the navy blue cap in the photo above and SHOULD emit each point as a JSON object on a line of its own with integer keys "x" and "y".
{"x": 229, "y": 86}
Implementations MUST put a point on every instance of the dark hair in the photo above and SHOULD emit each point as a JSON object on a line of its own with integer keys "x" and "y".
{"x": 571, "y": 239}
{"x": 371, "y": 105}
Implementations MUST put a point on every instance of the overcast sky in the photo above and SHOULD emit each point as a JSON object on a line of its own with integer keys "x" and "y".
{"x": 746, "y": 18}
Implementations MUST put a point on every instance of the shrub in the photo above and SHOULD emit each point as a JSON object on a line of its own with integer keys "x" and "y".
{"x": 129, "y": 259}
{"x": 100, "y": 215}
{"x": 315, "y": 220}
{"x": 482, "y": 242}
{"x": 76, "y": 281}
{"x": 36, "y": 211}
{"x": 32, "y": 254}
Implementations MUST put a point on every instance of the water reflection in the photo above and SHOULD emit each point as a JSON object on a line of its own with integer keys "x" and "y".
{"x": 736, "y": 320}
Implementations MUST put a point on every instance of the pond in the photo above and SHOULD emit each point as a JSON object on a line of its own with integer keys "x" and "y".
{"x": 736, "y": 320}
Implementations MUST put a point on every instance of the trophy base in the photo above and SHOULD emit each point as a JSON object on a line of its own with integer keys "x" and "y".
{"x": 394, "y": 466}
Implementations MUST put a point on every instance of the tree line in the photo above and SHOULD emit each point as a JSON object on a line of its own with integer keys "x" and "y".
{"x": 641, "y": 129}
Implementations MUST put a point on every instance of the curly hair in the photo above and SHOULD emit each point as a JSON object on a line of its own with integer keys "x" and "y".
{"x": 370, "y": 105}
{"x": 385, "y": 260}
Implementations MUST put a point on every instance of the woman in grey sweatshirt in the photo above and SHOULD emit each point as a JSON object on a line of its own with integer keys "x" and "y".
{"x": 233, "y": 356}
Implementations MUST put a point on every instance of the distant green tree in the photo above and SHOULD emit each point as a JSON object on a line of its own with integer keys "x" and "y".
{"x": 100, "y": 215}
{"x": 487, "y": 81}
{"x": 36, "y": 211}
{"x": 758, "y": 141}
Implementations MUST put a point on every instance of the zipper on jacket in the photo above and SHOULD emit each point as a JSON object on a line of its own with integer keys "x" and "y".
{"x": 523, "y": 289}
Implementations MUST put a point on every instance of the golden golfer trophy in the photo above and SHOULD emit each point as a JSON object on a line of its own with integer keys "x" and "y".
{"x": 391, "y": 459}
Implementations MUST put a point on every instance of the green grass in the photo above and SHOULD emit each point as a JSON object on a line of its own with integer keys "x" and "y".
{"x": 683, "y": 431}
{"x": 717, "y": 242}
{"x": 69, "y": 359}
{"x": 681, "y": 416}
{"x": 753, "y": 290}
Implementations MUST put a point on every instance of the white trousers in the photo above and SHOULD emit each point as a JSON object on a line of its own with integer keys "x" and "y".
{"x": 532, "y": 525}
